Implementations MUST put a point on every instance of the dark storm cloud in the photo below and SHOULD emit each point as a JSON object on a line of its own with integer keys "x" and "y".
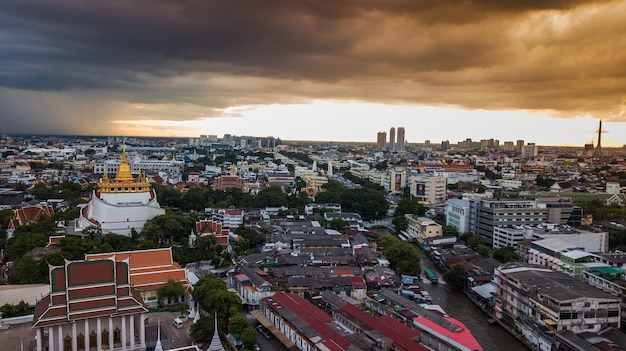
{"x": 558, "y": 55}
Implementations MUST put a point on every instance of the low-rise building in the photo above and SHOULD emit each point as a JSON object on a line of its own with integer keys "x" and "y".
{"x": 423, "y": 227}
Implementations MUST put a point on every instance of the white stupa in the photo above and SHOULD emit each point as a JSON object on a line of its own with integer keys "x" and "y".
{"x": 120, "y": 205}
{"x": 216, "y": 343}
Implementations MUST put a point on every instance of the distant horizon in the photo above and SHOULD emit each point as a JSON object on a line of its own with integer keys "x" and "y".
{"x": 299, "y": 141}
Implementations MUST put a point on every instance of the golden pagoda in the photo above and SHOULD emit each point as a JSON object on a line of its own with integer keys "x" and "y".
{"x": 120, "y": 205}
{"x": 124, "y": 181}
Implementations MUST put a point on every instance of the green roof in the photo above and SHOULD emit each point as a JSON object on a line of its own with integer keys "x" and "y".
{"x": 608, "y": 270}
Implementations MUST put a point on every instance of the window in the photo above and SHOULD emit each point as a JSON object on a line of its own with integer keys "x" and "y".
{"x": 80, "y": 341}
{"x": 93, "y": 340}
{"x": 117, "y": 335}
{"x": 67, "y": 343}
{"x": 105, "y": 339}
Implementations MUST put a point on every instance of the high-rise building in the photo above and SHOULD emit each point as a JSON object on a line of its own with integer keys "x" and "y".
{"x": 519, "y": 145}
{"x": 400, "y": 140}
{"x": 392, "y": 139}
{"x": 381, "y": 141}
{"x": 529, "y": 151}
{"x": 445, "y": 145}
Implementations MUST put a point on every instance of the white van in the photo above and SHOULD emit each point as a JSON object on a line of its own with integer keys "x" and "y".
{"x": 177, "y": 323}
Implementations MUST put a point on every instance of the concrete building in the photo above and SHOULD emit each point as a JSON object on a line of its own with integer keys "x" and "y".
{"x": 381, "y": 141}
{"x": 457, "y": 214}
{"x": 392, "y": 139}
{"x": 139, "y": 165}
{"x": 529, "y": 151}
{"x": 400, "y": 140}
{"x": 540, "y": 302}
{"x": 230, "y": 218}
{"x": 429, "y": 190}
{"x": 423, "y": 227}
{"x": 492, "y": 213}
{"x": 397, "y": 180}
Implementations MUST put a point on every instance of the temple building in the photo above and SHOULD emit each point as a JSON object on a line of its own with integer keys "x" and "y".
{"x": 149, "y": 271}
{"x": 91, "y": 306}
{"x": 120, "y": 205}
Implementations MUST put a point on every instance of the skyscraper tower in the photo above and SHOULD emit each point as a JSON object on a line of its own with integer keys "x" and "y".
{"x": 400, "y": 140}
{"x": 381, "y": 141}
{"x": 598, "y": 151}
{"x": 392, "y": 139}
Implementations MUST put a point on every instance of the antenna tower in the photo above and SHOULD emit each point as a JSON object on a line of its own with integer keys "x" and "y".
{"x": 598, "y": 151}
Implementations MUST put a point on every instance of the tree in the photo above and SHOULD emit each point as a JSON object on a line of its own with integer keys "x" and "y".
{"x": 337, "y": 224}
{"x": 26, "y": 270}
{"x": 194, "y": 199}
{"x": 403, "y": 256}
{"x": 170, "y": 290}
{"x": 212, "y": 295}
{"x": 167, "y": 196}
{"x": 92, "y": 232}
{"x": 237, "y": 325}
{"x": 21, "y": 309}
{"x": 505, "y": 254}
{"x": 400, "y": 223}
{"x": 455, "y": 276}
{"x": 249, "y": 339}
{"x": 272, "y": 196}
{"x": 202, "y": 331}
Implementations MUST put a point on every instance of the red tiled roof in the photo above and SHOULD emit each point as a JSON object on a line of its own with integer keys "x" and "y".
{"x": 314, "y": 317}
{"x": 29, "y": 214}
{"x": 401, "y": 335}
{"x": 88, "y": 289}
{"x": 138, "y": 259}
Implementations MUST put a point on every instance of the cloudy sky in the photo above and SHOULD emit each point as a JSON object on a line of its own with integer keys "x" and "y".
{"x": 542, "y": 71}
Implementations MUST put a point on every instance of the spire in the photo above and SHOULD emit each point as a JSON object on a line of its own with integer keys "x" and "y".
{"x": 216, "y": 343}
{"x": 158, "y": 346}
{"x": 598, "y": 151}
{"x": 123, "y": 173}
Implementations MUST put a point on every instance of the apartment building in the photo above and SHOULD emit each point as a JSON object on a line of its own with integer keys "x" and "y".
{"x": 540, "y": 302}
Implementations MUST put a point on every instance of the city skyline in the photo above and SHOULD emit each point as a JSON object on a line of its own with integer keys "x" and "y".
{"x": 544, "y": 72}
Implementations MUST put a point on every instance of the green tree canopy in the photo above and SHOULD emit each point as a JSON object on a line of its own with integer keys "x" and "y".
{"x": 272, "y": 196}
{"x": 403, "y": 256}
{"x": 172, "y": 289}
{"x": 237, "y": 325}
{"x": 455, "y": 276}
{"x": 249, "y": 339}
{"x": 505, "y": 254}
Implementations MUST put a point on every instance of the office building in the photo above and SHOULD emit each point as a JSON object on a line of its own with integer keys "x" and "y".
{"x": 429, "y": 190}
{"x": 392, "y": 139}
